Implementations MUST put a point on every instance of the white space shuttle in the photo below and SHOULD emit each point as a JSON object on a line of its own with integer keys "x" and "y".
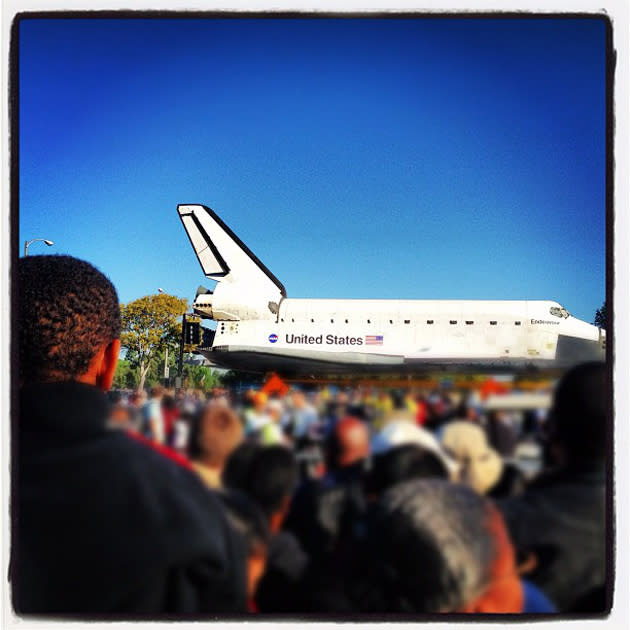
{"x": 260, "y": 329}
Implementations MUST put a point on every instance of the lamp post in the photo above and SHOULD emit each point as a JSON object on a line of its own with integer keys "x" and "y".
{"x": 28, "y": 243}
{"x": 166, "y": 369}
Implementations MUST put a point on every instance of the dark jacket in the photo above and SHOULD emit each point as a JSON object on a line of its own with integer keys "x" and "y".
{"x": 561, "y": 518}
{"x": 281, "y": 588}
{"x": 326, "y": 517}
{"x": 323, "y": 511}
{"x": 102, "y": 524}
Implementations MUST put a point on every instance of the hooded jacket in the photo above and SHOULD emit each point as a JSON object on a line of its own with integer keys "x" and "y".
{"x": 104, "y": 525}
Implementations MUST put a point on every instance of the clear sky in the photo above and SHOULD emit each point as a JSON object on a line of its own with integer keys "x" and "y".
{"x": 367, "y": 158}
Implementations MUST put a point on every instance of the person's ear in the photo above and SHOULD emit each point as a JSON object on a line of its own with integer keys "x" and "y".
{"x": 279, "y": 516}
{"x": 527, "y": 564}
{"x": 107, "y": 368}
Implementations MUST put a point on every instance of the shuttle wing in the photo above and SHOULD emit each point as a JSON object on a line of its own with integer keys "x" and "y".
{"x": 221, "y": 254}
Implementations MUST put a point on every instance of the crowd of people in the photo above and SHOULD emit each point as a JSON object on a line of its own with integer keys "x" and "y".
{"x": 325, "y": 501}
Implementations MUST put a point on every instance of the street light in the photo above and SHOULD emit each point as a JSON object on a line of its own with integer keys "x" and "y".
{"x": 166, "y": 370}
{"x": 44, "y": 240}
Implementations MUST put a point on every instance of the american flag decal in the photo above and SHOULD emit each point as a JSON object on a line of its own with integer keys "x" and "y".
{"x": 373, "y": 340}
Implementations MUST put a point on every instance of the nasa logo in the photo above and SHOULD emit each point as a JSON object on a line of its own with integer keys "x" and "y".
{"x": 273, "y": 338}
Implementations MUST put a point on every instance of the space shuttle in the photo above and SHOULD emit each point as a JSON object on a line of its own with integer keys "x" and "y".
{"x": 260, "y": 329}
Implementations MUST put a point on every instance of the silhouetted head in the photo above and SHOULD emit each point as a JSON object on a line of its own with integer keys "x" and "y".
{"x": 68, "y": 312}
{"x": 403, "y": 463}
{"x": 266, "y": 474}
{"x": 400, "y": 432}
{"x": 440, "y": 547}
{"x": 577, "y": 421}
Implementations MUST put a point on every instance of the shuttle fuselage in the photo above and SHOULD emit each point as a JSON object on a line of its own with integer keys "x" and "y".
{"x": 260, "y": 329}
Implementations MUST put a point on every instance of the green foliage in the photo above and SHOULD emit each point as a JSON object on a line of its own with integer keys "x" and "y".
{"x": 149, "y": 325}
{"x": 600, "y": 316}
{"x": 126, "y": 376}
{"x": 200, "y": 377}
{"x": 155, "y": 373}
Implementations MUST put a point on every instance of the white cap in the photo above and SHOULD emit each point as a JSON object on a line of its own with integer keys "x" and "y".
{"x": 402, "y": 432}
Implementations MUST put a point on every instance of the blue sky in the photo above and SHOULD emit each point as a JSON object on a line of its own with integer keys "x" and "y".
{"x": 399, "y": 158}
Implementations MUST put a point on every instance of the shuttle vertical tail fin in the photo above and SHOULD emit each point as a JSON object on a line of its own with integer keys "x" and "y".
{"x": 222, "y": 255}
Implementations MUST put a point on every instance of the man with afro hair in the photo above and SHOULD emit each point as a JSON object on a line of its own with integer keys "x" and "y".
{"x": 103, "y": 525}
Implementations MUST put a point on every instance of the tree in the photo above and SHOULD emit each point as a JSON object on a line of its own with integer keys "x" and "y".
{"x": 201, "y": 377}
{"x": 125, "y": 377}
{"x": 149, "y": 325}
{"x": 600, "y": 316}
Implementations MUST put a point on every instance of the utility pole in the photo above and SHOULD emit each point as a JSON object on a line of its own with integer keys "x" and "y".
{"x": 166, "y": 369}
{"x": 180, "y": 362}
{"x": 167, "y": 380}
